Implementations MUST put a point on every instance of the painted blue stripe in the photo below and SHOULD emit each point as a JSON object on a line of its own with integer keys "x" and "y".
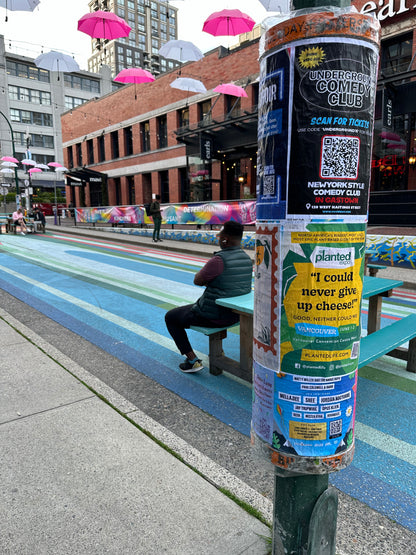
{"x": 143, "y": 266}
{"x": 225, "y": 398}
{"x": 379, "y": 405}
{"x": 378, "y": 495}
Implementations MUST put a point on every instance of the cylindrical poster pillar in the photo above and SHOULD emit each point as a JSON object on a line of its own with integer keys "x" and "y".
{"x": 318, "y": 79}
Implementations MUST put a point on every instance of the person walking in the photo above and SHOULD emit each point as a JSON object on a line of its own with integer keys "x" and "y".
{"x": 227, "y": 274}
{"x": 156, "y": 214}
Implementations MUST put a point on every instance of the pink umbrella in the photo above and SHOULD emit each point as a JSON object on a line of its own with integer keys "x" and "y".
{"x": 55, "y": 164}
{"x": 10, "y": 159}
{"x": 228, "y": 22}
{"x": 103, "y": 25}
{"x": 35, "y": 170}
{"x": 231, "y": 89}
{"x": 134, "y": 75}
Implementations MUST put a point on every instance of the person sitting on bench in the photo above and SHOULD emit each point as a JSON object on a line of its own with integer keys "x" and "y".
{"x": 18, "y": 219}
{"x": 227, "y": 274}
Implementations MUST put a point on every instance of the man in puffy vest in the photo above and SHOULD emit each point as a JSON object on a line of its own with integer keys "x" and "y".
{"x": 227, "y": 274}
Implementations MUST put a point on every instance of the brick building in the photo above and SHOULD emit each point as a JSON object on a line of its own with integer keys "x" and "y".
{"x": 151, "y": 138}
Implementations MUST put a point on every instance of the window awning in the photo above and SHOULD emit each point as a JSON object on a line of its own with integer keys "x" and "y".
{"x": 85, "y": 175}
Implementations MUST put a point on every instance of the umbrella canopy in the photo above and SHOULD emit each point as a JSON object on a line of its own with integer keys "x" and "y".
{"x": 6, "y": 170}
{"x": 42, "y": 166}
{"x": 56, "y": 61}
{"x": 188, "y": 84}
{"x": 28, "y": 162}
{"x": 134, "y": 75}
{"x": 19, "y": 5}
{"x": 231, "y": 89}
{"x": 281, "y": 6}
{"x": 181, "y": 50}
{"x": 10, "y": 159}
{"x": 103, "y": 25}
{"x": 228, "y": 22}
{"x": 55, "y": 165}
{"x": 9, "y": 164}
{"x": 61, "y": 169}
{"x": 34, "y": 170}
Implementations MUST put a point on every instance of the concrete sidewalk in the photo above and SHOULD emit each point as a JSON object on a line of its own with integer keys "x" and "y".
{"x": 79, "y": 477}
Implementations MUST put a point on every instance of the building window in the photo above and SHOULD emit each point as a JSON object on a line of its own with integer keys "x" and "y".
{"x": 72, "y": 102}
{"x": 232, "y": 103}
{"x": 162, "y": 131}
{"x": 27, "y": 71}
{"x": 79, "y": 154}
{"x": 81, "y": 83}
{"x": 183, "y": 117}
{"x": 101, "y": 148}
{"x": 70, "y": 156}
{"x": 29, "y": 95}
{"x": 34, "y": 118}
{"x": 164, "y": 186}
{"x": 396, "y": 55}
{"x": 131, "y": 189}
{"x": 115, "y": 152}
{"x": 128, "y": 141}
{"x": 203, "y": 110}
{"x": 90, "y": 151}
{"x": 145, "y": 136}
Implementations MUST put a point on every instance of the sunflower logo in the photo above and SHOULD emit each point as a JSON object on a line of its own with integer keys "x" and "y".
{"x": 311, "y": 57}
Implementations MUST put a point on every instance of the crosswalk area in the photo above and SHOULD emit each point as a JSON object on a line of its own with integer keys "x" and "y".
{"x": 116, "y": 296}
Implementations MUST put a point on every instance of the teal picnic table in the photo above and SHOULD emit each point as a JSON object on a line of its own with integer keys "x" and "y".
{"x": 374, "y": 289}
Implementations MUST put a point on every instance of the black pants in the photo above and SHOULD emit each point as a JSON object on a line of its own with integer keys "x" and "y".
{"x": 183, "y": 317}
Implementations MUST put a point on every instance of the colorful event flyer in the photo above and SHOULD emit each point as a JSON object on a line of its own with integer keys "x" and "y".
{"x": 311, "y": 382}
{"x": 318, "y": 78}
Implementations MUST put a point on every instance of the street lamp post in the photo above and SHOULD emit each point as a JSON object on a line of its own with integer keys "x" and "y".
{"x": 14, "y": 154}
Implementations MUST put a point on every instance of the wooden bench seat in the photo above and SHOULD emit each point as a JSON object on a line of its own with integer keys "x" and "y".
{"x": 387, "y": 340}
{"x": 218, "y": 362}
{"x": 374, "y": 268}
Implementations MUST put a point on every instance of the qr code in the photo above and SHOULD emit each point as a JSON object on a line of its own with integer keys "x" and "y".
{"x": 339, "y": 157}
{"x": 335, "y": 428}
{"x": 268, "y": 185}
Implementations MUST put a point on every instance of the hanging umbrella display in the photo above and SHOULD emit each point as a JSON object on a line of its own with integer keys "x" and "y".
{"x": 134, "y": 75}
{"x": 231, "y": 89}
{"x": 188, "y": 84}
{"x": 103, "y": 25}
{"x": 10, "y": 159}
{"x": 181, "y": 51}
{"x": 28, "y": 162}
{"x": 55, "y": 165}
{"x": 9, "y": 164}
{"x": 281, "y": 6}
{"x": 19, "y": 5}
{"x": 56, "y": 61}
{"x": 228, "y": 23}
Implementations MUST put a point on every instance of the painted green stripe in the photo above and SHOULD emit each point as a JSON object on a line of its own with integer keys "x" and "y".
{"x": 385, "y": 378}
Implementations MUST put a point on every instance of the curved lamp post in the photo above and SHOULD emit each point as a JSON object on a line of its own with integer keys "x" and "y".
{"x": 14, "y": 154}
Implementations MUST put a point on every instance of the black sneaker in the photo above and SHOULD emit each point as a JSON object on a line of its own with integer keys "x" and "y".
{"x": 190, "y": 367}
{"x": 160, "y": 240}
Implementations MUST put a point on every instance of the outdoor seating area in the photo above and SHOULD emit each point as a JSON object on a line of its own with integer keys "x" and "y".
{"x": 379, "y": 340}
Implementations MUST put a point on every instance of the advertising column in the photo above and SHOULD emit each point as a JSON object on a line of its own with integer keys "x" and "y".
{"x": 318, "y": 77}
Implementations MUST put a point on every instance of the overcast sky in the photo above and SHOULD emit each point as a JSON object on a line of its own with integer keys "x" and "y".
{"x": 53, "y": 26}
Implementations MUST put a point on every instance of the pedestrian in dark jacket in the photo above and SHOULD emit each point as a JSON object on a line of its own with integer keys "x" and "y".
{"x": 156, "y": 214}
{"x": 227, "y": 274}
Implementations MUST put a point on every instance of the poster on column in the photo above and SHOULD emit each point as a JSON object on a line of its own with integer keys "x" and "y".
{"x": 317, "y": 86}
{"x": 314, "y": 387}
{"x": 332, "y": 128}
